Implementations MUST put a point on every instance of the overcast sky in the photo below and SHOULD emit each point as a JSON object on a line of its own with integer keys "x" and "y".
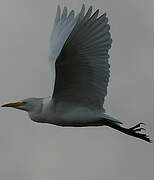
{"x": 31, "y": 151}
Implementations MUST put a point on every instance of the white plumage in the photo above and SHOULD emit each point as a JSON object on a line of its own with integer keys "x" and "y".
{"x": 78, "y": 56}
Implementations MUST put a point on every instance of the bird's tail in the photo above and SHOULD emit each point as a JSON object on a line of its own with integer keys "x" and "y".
{"x": 112, "y": 119}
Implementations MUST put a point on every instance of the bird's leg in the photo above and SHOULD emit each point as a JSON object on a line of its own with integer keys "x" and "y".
{"x": 137, "y": 127}
{"x": 133, "y": 131}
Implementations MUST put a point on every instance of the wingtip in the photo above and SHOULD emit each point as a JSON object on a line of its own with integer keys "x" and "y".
{"x": 91, "y": 7}
{"x": 58, "y": 10}
{"x": 96, "y": 13}
{"x": 83, "y": 8}
{"x": 65, "y": 8}
{"x": 83, "y": 5}
{"x": 58, "y": 7}
{"x": 71, "y": 14}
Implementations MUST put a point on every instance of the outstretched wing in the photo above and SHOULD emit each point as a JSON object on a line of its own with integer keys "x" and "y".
{"x": 82, "y": 69}
{"x": 63, "y": 26}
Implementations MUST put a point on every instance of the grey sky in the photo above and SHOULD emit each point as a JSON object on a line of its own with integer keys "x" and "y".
{"x": 41, "y": 151}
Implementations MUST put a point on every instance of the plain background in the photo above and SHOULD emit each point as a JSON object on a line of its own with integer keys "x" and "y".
{"x": 43, "y": 152}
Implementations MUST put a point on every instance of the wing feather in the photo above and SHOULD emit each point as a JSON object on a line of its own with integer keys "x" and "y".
{"x": 62, "y": 28}
{"x": 82, "y": 68}
{"x": 64, "y": 15}
{"x": 57, "y": 19}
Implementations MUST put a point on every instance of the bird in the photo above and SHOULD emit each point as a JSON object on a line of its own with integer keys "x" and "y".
{"x": 79, "y": 60}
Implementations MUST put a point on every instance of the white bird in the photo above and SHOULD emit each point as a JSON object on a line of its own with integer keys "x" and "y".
{"x": 78, "y": 57}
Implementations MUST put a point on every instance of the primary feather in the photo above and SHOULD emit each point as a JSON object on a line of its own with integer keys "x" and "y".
{"x": 82, "y": 68}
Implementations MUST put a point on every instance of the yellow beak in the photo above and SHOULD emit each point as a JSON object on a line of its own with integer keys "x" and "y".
{"x": 17, "y": 104}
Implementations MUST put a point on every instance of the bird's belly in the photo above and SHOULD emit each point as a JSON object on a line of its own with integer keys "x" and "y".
{"x": 77, "y": 117}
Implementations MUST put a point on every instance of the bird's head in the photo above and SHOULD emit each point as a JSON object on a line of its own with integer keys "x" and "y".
{"x": 29, "y": 104}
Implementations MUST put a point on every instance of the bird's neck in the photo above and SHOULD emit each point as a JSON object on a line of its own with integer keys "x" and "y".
{"x": 40, "y": 116}
{"x": 46, "y": 103}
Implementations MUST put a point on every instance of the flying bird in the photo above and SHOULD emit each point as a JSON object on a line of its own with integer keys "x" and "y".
{"x": 78, "y": 57}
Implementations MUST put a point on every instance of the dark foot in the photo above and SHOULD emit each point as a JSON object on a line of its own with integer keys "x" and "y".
{"x": 134, "y": 131}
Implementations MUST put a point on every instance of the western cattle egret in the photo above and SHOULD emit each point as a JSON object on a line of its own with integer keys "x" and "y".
{"x": 78, "y": 57}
